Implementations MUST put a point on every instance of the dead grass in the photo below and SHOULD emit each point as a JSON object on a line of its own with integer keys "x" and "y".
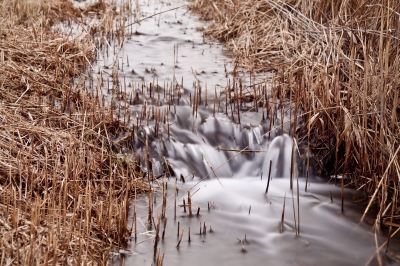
{"x": 340, "y": 63}
{"x": 64, "y": 193}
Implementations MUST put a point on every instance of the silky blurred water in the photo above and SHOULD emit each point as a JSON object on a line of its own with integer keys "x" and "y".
{"x": 204, "y": 148}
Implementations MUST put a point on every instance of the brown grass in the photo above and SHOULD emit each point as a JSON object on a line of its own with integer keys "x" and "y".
{"x": 64, "y": 191}
{"x": 339, "y": 61}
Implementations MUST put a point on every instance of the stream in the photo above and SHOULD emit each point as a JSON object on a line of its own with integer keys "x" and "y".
{"x": 166, "y": 66}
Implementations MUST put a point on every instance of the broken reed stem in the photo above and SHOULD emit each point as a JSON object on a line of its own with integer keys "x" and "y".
{"x": 281, "y": 225}
{"x": 157, "y": 237}
{"x": 238, "y": 100}
{"x": 292, "y": 165}
{"x": 175, "y": 192}
{"x": 164, "y": 194}
{"x": 212, "y": 169}
{"x": 180, "y": 239}
{"x": 242, "y": 242}
{"x": 160, "y": 259}
{"x": 190, "y": 204}
{"x": 135, "y": 215}
{"x": 294, "y": 213}
{"x": 269, "y": 176}
{"x": 165, "y": 225}
{"x": 150, "y": 210}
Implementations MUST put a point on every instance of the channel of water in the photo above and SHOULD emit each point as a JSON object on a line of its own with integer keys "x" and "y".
{"x": 163, "y": 65}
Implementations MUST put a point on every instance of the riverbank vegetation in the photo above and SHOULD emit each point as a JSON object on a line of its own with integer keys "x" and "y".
{"x": 339, "y": 63}
{"x": 65, "y": 184}
{"x": 64, "y": 191}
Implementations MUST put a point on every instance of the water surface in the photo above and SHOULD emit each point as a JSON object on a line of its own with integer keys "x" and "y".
{"x": 204, "y": 145}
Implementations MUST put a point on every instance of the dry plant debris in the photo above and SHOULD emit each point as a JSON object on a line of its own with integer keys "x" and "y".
{"x": 64, "y": 191}
{"x": 339, "y": 60}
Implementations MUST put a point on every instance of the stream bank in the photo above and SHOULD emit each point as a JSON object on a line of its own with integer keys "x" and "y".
{"x": 342, "y": 73}
{"x": 227, "y": 139}
{"x": 64, "y": 192}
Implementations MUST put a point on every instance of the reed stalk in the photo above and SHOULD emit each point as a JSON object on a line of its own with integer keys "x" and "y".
{"x": 65, "y": 191}
{"x": 343, "y": 74}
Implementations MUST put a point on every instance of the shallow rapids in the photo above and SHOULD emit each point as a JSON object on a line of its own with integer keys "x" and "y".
{"x": 240, "y": 212}
{"x": 225, "y": 164}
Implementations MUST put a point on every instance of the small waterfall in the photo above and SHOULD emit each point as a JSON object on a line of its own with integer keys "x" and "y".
{"x": 279, "y": 152}
{"x": 216, "y": 160}
{"x": 219, "y": 148}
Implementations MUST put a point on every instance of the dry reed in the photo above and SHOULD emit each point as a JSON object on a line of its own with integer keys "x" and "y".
{"x": 339, "y": 63}
{"x": 64, "y": 191}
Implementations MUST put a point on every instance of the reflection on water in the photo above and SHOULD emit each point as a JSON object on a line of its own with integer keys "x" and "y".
{"x": 246, "y": 222}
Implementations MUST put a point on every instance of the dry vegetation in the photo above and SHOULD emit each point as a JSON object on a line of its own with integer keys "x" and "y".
{"x": 64, "y": 191}
{"x": 339, "y": 60}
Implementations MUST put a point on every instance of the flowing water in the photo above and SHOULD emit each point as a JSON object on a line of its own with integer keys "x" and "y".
{"x": 164, "y": 66}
